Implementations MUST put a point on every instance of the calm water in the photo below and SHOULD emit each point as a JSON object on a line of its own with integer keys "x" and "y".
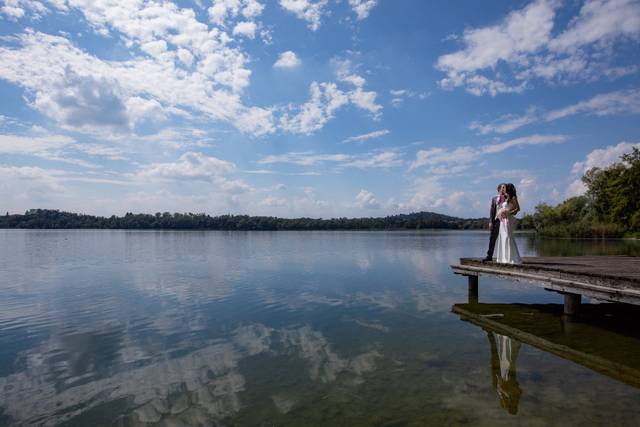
{"x": 286, "y": 328}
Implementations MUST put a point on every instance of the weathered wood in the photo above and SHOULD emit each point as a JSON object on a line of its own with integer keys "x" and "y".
{"x": 614, "y": 278}
{"x": 572, "y": 304}
{"x": 473, "y": 289}
{"x": 617, "y": 271}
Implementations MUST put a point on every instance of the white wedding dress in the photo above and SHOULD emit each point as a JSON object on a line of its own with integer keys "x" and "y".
{"x": 507, "y": 249}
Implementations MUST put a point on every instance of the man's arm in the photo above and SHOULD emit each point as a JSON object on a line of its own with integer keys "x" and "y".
{"x": 492, "y": 212}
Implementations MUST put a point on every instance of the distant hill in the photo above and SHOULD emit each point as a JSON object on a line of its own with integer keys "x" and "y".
{"x": 55, "y": 219}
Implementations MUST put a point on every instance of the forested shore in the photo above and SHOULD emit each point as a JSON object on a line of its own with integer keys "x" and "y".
{"x": 54, "y": 219}
{"x": 609, "y": 208}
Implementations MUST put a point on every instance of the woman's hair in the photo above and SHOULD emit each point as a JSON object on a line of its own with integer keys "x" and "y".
{"x": 511, "y": 190}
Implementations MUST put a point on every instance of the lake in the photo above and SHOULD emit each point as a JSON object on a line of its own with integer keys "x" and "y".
{"x": 134, "y": 328}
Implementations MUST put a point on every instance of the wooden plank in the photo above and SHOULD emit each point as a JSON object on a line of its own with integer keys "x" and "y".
{"x": 626, "y": 295}
{"x": 614, "y": 271}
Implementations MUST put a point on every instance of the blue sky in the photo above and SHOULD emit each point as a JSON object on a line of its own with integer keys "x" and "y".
{"x": 310, "y": 107}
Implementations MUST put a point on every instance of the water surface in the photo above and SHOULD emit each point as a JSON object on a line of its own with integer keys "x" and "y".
{"x": 136, "y": 328}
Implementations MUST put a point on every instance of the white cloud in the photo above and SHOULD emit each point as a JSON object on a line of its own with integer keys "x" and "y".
{"x": 444, "y": 157}
{"x": 600, "y": 21}
{"x": 303, "y": 158}
{"x": 619, "y": 102}
{"x": 306, "y": 204}
{"x": 287, "y": 59}
{"x": 576, "y": 188}
{"x": 399, "y": 96}
{"x": 326, "y": 98}
{"x": 366, "y": 200}
{"x": 46, "y": 188}
{"x": 190, "y": 165}
{"x": 525, "y": 140}
{"x": 179, "y": 137}
{"x": 53, "y": 70}
{"x": 16, "y": 9}
{"x": 185, "y": 57}
{"x": 42, "y": 146}
{"x": 354, "y": 79}
{"x": 29, "y": 172}
{"x": 266, "y": 35}
{"x": 273, "y": 201}
{"x": 362, "y": 8}
{"x": 398, "y": 92}
{"x": 13, "y": 12}
{"x": 45, "y": 145}
{"x": 525, "y": 45}
{"x": 452, "y": 160}
{"x": 255, "y": 121}
{"x": 366, "y": 100}
{"x": 429, "y": 194}
{"x": 522, "y": 32}
{"x": 147, "y": 110}
{"x": 603, "y": 157}
{"x": 345, "y": 71}
{"x": 598, "y": 158}
{"x": 252, "y": 8}
{"x": 505, "y": 124}
{"x": 367, "y": 136}
{"x": 220, "y": 10}
{"x": 385, "y": 159}
{"x": 307, "y": 10}
{"x": 100, "y": 150}
{"x": 37, "y": 186}
{"x": 196, "y": 166}
{"x": 85, "y": 103}
{"x": 246, "y": 29}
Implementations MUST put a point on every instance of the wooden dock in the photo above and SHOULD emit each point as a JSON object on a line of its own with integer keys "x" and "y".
{"x": 610, "y": 278}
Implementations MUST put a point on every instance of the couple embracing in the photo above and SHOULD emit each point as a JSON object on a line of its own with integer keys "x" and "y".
{"x": 504, "y": 207}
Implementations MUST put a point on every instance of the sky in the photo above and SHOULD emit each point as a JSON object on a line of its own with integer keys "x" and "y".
{"x": 321, "y": 108}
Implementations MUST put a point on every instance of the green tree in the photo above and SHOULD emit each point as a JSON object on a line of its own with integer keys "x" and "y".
{"x": 614, "y": 192}
{"x": 610, "y": 207}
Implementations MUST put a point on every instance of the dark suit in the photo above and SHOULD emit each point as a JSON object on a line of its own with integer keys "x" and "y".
{"x": 495, "y": 229}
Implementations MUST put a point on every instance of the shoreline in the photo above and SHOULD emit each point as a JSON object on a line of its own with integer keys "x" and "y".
{"x": 395, "y": 230}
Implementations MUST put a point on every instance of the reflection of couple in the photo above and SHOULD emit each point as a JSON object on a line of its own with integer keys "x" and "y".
{"x": 504, "y": 207}
{"x": 504, "y": 353}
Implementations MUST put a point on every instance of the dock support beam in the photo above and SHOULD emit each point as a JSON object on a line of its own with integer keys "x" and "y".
{"x": 572, "y": 304}
{"x": 473, "y": 289}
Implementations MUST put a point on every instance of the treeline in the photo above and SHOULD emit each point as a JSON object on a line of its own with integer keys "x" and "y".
{"x": 54, "y": 219}
{"x": 609, "y": 208}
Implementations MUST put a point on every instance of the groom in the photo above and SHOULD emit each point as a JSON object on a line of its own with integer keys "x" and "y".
{"x": 494, "y": 222}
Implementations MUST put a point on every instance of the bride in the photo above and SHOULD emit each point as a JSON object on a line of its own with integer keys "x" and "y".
{"x": 507, "y": 249}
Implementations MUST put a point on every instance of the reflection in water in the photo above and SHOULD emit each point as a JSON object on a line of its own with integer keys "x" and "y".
{"x": 190, "y": 389}
{"x": 504, "y": 354}
{"x": 200, "y": 385}
{"x": 581, "y": 247}
{"x": 101, "y": 328}
{"x": 605, "y": 340}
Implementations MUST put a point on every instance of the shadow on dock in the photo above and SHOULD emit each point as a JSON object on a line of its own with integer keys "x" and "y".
{"x": 606, "y": 340}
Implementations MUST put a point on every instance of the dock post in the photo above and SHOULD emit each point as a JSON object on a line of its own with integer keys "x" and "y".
{"x": 571, "y": 304}
{"x": 473, "y": 289}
